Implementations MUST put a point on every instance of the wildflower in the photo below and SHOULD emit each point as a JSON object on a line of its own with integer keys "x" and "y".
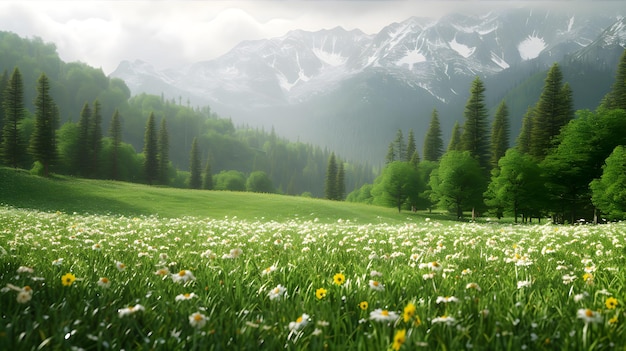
{"x": 409, "y": 312}
{"x": 588, "y": 278}
{"x": 523, "y": 284}
{"x": 277, "y": 293}
{"x": 339, "y": 278}
{"x": 162, "y": 271}
{"x": 68, "y": 279}
{"x": 428, "y": 276}
{"x": 579, "y": 297}
{"x": 466, "y": 271}
{"x": 363, "y": 305}
{"x": 568, "y": 279}
{"x": 613, "y": 320}
{"x": 24, "y": 269}
{"x": 320, "y": 293}
{"x": 300, "y": 322}
{"x": 399, "y": 339}
{"x": 381, "y": 315}
{"x": 120, "y": 266}
{"x": 316, "y": 332}
{"x": 376, "y": 285}
{"x": 433, "y": 266}
{"x": 104, "y": 282}
{"x": 589, "y": 316}
{"x": 25, "y": 294}
{"x": 473, "y": 286}
{"x": 57, "y": 262}
{"x": 375, "y": 274}
{"x": 197, "y": 320}
{"x": 446, "y": 299}
{"x": 96, "y": 247}
{"x": 610, "y": 303}
{"x": 122, "y": 312}
{"x": 445, "y": 320}
{"x": 183, "y": 276}
{"x": 184, "y": 297}
{"x": 268, "y": 270}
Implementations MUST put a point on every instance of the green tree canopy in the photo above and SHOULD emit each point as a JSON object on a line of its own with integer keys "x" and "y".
{"x": 616, "y": 98}
{"x": 398, "y": 182}
{"x": 609, "y": 191}
{"x": 230, "y": 180}
{"x": 475, "y": 136}
{"x": 499, "y": 134}
{"x": 259, "y": 182}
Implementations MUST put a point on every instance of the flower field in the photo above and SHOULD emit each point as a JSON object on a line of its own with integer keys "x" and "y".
{"x": 95, "y": 282}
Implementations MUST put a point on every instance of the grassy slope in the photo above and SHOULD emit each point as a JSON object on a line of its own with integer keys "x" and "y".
{"x": 66, "y": 194}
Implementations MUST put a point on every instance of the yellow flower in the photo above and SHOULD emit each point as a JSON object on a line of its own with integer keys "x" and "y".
{"x": 613, "y": 320}
{"x": 399, "y": 339}
{"x": 320, "y": 293}
{"x": 409, "y": 312}
{"x": 363, "y": 305}
{"x": 339, "y": 278}
{"x": 68, "y": 279}
{"x": 610, "y": 303}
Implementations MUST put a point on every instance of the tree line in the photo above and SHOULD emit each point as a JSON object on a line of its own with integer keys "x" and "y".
{"x": 565, "y": 164}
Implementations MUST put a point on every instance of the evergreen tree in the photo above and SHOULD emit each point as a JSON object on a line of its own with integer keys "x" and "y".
{"x": 609, "y": 191}
{"x": 195, "y": 179}
{"x": 499, "y": 134}
{"x": 207, "y": 182}
{"x": 455, "y": 138}
{"x": 4, "y": 82}
{"x": 115, "y": 133}
{"x": 433, "y": 143}
{"x": 391, "y": 154}
{"x": 13, "y": 148}
{"x": 475, "y": 137}
{"x": 410, "y": 146}
{"x": 84, "y": 142}
{"x": 341, "y": 182}
{"x": 150, "y": 151}
{"x": 415, "y": 159}
{"x": 95, "y": 139}
{"x": 616, "y": 98}
{"x": 552, "y": 112}
{"x": 399, "y": 146}
{"x": 524, "y": 137}
{"x": 331, "y": 178}
{"x": 164, "y": 153}
{"x": 43, "y": 145}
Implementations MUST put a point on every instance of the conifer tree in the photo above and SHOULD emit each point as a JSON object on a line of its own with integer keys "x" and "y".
{"x": 330, "y": 190}
{"x": 399, "y": 146}
{"x": 475, "y": 137}
{"x": 95, "y": 139}
{"x": 13, "y": 148}
{"x": 391, "y": 154}
{"x": 433, "y": 143}
{"x": 524, "y": 137}
{"x": 43, "y": 145}
{"x": 455, "y": 138}
{"x": 499, "y": 134}
{"x": 115, "y": 133}
{"x": 616, "y": 98}
{"x": 207, "y": 182}
{"x": 341, "y": 182}
{"x": 150, "y": 151}
{"x": 4, "y": 82}
{"x": 84, "y": 141}
{"x": 410, "y": 146}
{"x": 195, "y": 179}
{"x": 164, "y": 153}
{"x": 415, "y": 159}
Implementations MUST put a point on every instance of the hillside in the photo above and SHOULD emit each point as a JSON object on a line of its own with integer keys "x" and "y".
{"x": 66, "y": 194}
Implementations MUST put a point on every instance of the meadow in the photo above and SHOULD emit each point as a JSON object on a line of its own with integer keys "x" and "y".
{"x": 107, "y": 281}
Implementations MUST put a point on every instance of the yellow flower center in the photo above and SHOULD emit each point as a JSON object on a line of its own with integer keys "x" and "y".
{"x": 589, "y": 313}
{"x": 187, "y": 295}
{"x": 299, "y": 320}
{"x": 182, "y": 273}
{"x": 375, "y": 283}
{"x": 104, "y": 280}
{"x": 385, "y": 313}
{"x": 197, "y": 317}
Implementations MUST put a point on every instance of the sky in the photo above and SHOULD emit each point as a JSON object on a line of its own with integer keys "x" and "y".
{"x": 169, "y": 33}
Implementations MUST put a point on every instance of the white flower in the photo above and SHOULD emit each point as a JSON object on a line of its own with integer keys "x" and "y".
{"x": 96, "y": 247}
{"x": 376, "y": 285}
{"x": 375, "y": 274}
{"x": 446, "y": 299}
{"x": 24, "y": 269}
{"x": 183, "y": 297}
{"x": 197, "y": 320}
{"x": 568, "y": 279}
{"x": 433, "y": 266}
{"x": 120, "y": 266}
{"x": 381, "y": 315}
{"x": 299, "y": 323}
{"x": 57, "y": 262}
{"x": 122, "y": 312}
{"x": 472, "y": 286}
{"x": 104, "y": 282}
{"x": 428, "y": 276}
{"x": 589, "y": 316}
{"x": 445, "y": 320}
{"x": 277, "y": 293}
{"x": 268, "y": 270}
{"x": 579, "y": 297}
{"x": 24, "y": 296}
{"x": 523, "y": 284}
{"x": 183, "y": 276}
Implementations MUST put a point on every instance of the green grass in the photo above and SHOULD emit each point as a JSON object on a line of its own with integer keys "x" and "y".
{"x": 69, "y": 195}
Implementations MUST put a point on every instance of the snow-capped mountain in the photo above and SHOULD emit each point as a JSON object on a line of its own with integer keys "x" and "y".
{"x": 303, "y": 80}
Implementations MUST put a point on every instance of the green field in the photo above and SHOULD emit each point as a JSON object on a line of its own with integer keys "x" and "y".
{"x": 106, "y": 266}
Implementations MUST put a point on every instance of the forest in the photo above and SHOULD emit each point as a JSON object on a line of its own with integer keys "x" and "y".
{"x": 97, "y": 130}
{"x": 565, "y": 164}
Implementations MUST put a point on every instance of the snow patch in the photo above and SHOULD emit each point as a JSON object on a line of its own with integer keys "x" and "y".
{"x": 330, "y": 58}
{"x": 462, "y": 49}
{"x": 570, "y": 24}
{"x": 412, "y": 57}
{"x": 499, "y": 61}
{"x": 531, "y": 47}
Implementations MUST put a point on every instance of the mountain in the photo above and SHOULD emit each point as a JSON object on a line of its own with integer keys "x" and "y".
{"x": 352, "y": 91}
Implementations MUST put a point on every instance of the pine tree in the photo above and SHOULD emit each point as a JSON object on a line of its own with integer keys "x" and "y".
{"x": 415, "y": 159}
{"x": 410, "y": 146}
{"x": 150, "y": 151}
{"x": 552, "y": 112}
{"x": 399, "y": 146}
{"x": 455, "y": 138}
{"x": 616, "y": 98}
{"x": 115, "y": 133}
{"x": 341, "y": 182}
{"x": 195, "y": 179}
{"x": 13, "y": 148}
{"x": 43, "y": 145}
{"x": 207, "y": 182}
{"x": 95, "y": 139}
{"x": 331, "y": 178}
{"x": 499, "y": 134}
{"x": 433, "y": 142}
{"x": 391, "y": 154}
{"x": 4, "y": 82}
{"x": 164, "y": 153}
{"x": 475, "y": 137}
{"x": 84, "y": 141}
{"x": 524, "y": 137}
